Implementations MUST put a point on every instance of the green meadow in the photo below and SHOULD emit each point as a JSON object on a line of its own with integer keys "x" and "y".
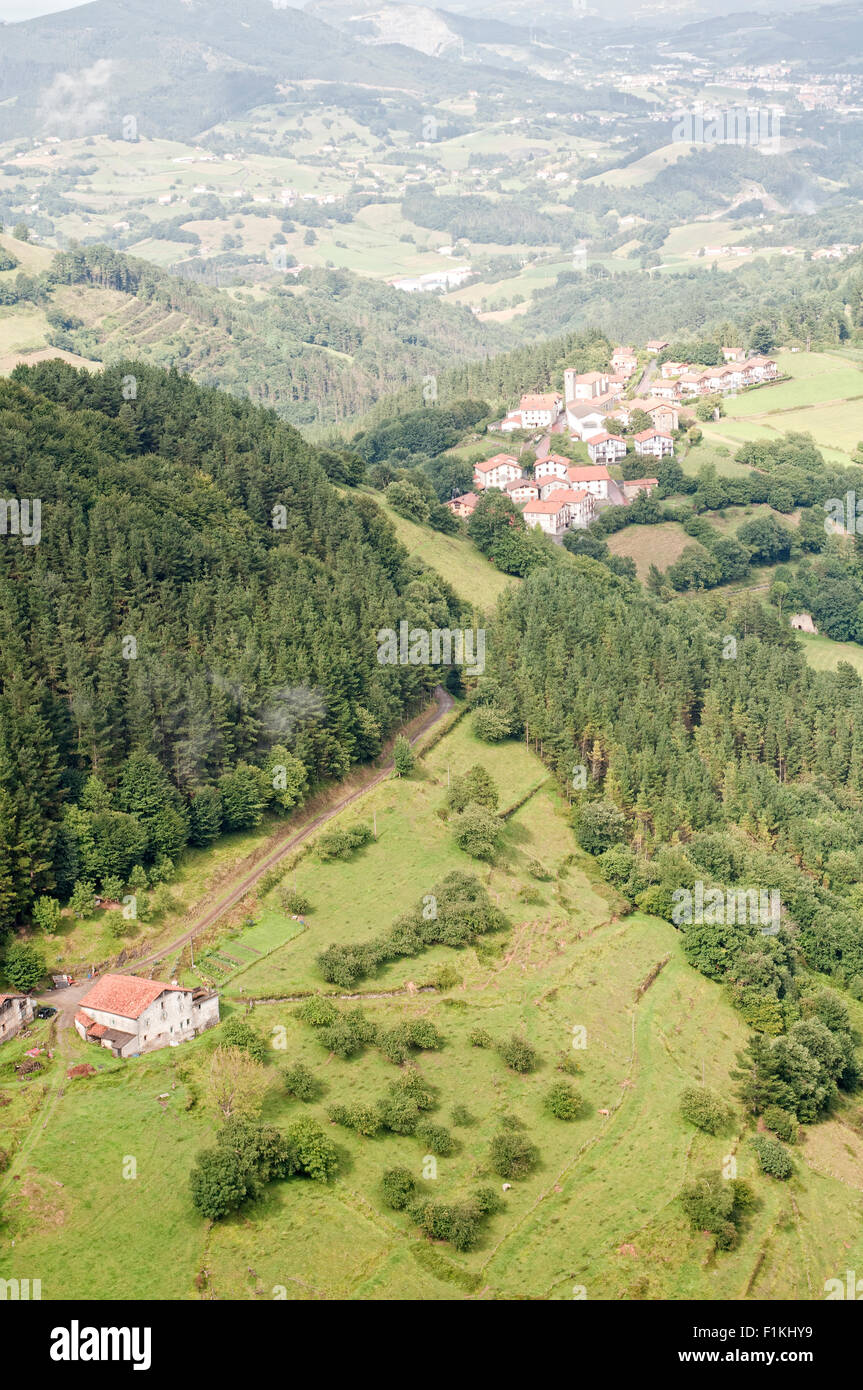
{"x": 103, "y": 1163}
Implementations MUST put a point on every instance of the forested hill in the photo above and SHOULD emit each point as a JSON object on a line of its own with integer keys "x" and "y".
{"x": 727, "y": 761}
{"x": 171, "y": 636}
{"x": 318, "y": 351}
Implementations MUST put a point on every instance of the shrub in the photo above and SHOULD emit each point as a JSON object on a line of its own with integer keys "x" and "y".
{"x": 237, "y": 1033}
{"x": 362, "y": 1118}
{"x": 518, "y": 1054}
{"x": 219, "y": 1183}
{"x": 436, "y": 1138}
{"x": 349, "y": 1034}
{"x": 301, "y": 1083}
{"x": 313, "y": 1152}
{"x": 480, "y": 1037}
{"x": 478, "y": 832}
{"x": 772, "y": 1158}
{"x": 398, "y": 1187}
{"x": 318, "y": 1011}
{"x": 343, "y": 841}
{"x": 491, "y": 724}
{"x": 563, "y": 1101}
{"x": 513, "y": 1155}
{"x": 24, "y": 966}
{"x": 713, "y": 1204}
{"x": 782, "y": 1122}
{"x": 700, "y": 1107}
{"x": 294, "y": 902}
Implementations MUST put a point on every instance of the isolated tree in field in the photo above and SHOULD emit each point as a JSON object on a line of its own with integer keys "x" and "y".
{"x": 703, "y": 1109}
{"x": 563, "y": 1101}
{"x": 478, "y": 832}
{"x": 772, "y": 1158}
{"x": 513, "y": 1155}
{"x": 219, "y": 1183}
{"x": 403, "y": 757}
{"x": 474, "y": 786}
{"x": 236, "y": 1083}
{"x": 237, "y": 1033}
{"x": 518, "y": 1054}
{"x": 24, "y": 966}
{"x": 301, "y": 1082}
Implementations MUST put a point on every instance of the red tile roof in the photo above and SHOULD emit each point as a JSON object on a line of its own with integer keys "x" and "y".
{"x": 595, "y": 474}
{"x": 604, "y": 438}
{"x": 490, "y": 464}
{"x": 125, "y": 995}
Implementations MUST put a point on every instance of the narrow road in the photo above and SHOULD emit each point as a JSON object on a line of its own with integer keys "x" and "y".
{"x": 647, "y": 375}
{"x": 66, "y": 1000}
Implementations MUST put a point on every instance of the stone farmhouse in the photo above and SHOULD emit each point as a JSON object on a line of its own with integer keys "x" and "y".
{"x": 16, "y": 1010}
{"x": 129, "y": 1015}
{"x": 637, "y": 485}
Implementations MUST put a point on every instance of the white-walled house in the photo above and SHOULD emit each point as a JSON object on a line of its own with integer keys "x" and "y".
{"x": 593, "y": 478}
{"x": 564, "y": 508}
{"x": 523, "y": 490}
{"x": 16, "y": 1010}
{"x": 540, "y": 412}
{"x": 129, "y": 1015}
{"x": 585, "y": 419}
{"x": 656, "y": 443}
{"x": 496, "y": 471}
{"x": 624, "y": 360}
{"x": 585, "y": 387}
{"x": 552, "y": 466}
{"x": 552, "y": 484}
{"x": 606, "y": 448}
{"x": 463, "y": 506}
{"x": 582, "y": 507}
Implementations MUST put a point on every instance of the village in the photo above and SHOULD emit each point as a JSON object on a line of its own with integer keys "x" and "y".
{"x": 596, "y": 409}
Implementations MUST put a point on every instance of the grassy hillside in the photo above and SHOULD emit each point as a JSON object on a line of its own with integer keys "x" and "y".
{"x": 456, "y": 558}
{"x": 599, "y": 1213}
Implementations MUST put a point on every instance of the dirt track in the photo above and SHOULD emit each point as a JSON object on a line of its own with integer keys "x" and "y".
{"x": 66, "y": 1000}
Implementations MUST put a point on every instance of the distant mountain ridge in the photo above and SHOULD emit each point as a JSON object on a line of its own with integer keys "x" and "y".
{"x": 180, "y": 66}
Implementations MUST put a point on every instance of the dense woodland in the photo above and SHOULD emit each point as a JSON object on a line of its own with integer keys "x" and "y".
{"x": 193, "y": 640}
{"x": 733, "y": 762}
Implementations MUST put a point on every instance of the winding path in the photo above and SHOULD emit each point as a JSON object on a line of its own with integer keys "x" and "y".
{"x": 66, "y": 1000}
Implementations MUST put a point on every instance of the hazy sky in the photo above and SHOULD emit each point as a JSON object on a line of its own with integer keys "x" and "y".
{"x": 10, "y": 10}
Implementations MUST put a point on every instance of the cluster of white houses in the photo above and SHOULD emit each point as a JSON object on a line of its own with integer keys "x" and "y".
{"x": 562, "y": 494}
